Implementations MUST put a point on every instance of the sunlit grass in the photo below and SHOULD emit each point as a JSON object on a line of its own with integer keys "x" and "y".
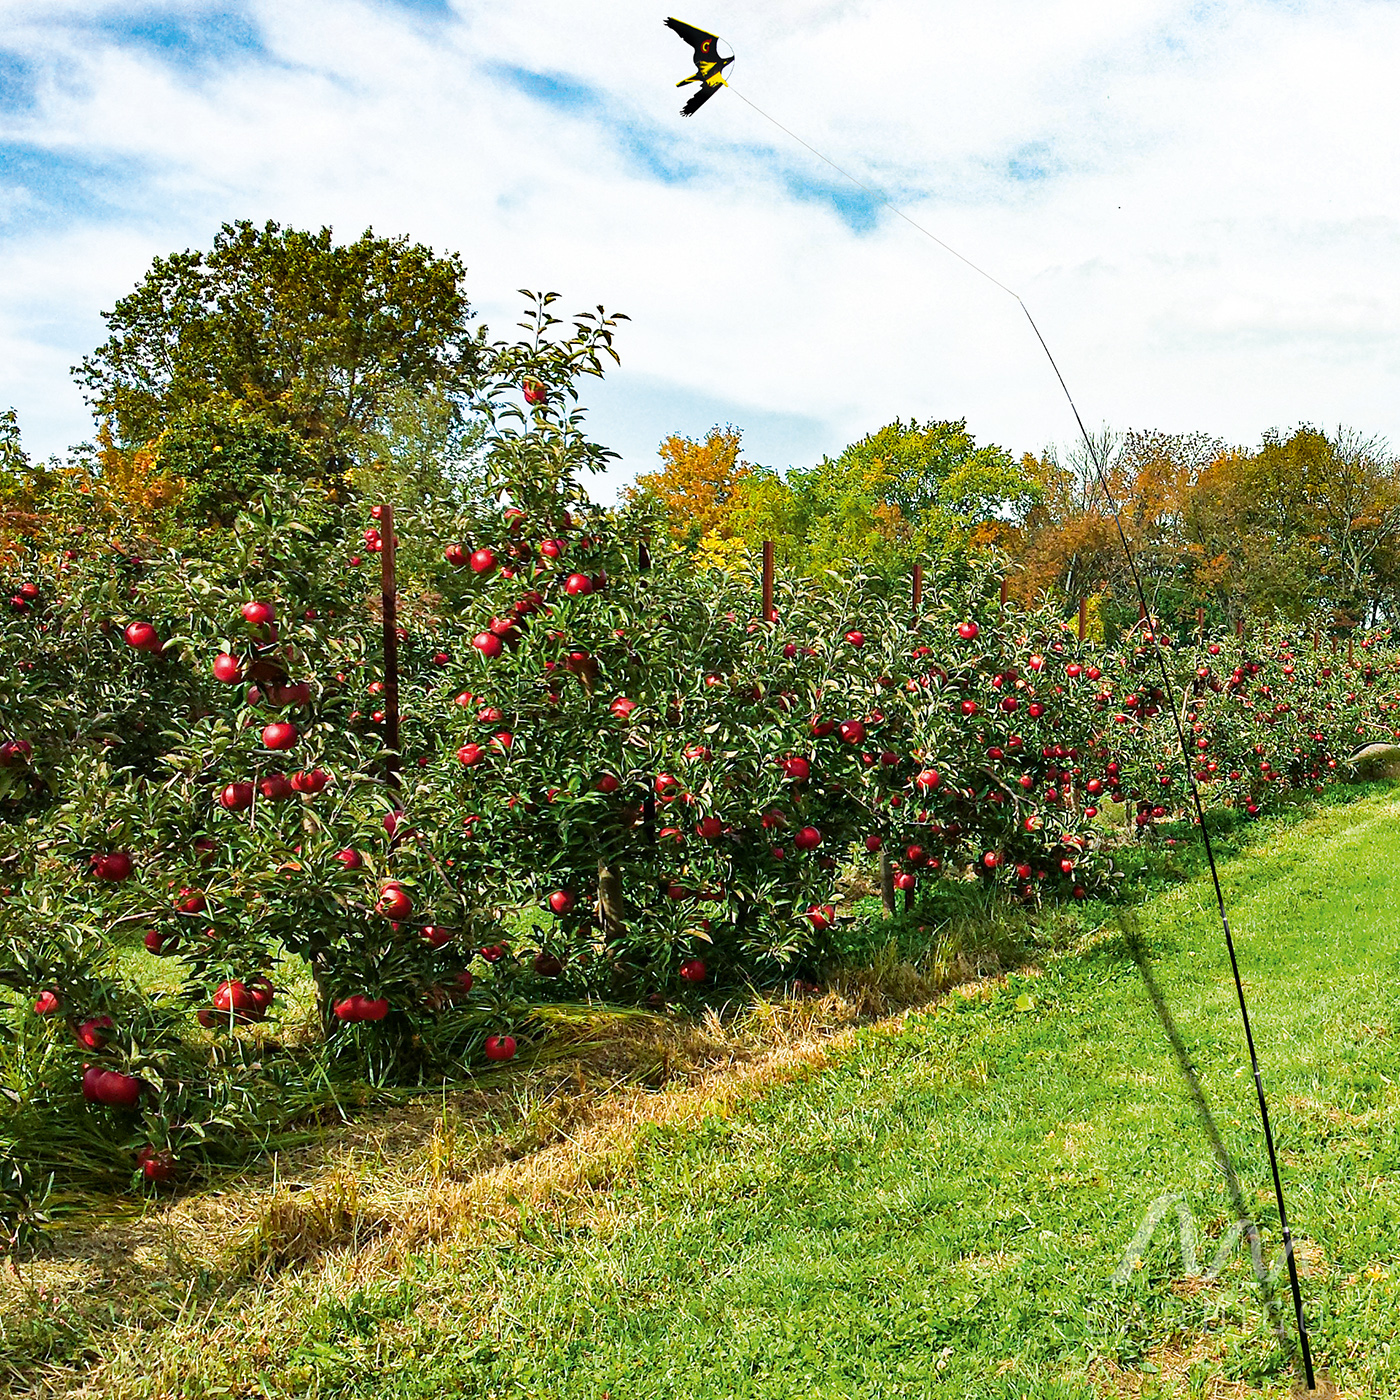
{"x": 932, "y": 1205}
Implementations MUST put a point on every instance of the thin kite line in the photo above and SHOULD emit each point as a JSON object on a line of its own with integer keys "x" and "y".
{"x": 1158, "y": 653}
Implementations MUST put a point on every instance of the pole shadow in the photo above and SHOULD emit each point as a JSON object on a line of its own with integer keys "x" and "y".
{"x": 1273, "y": 1309}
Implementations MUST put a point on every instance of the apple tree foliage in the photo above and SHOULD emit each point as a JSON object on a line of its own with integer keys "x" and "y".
{"x": 618, "y": 778}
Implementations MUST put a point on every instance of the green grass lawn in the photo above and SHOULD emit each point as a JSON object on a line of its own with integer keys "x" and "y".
{"x": 943, "y": 1211}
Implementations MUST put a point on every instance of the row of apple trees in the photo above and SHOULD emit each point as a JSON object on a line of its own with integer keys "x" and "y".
{"x": 618, "y": 778}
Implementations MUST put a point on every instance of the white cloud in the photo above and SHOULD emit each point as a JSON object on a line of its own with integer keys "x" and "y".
{"x": 1199, "y": 204}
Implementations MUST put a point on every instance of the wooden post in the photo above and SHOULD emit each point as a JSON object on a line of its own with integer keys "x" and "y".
{"x": 1200, "y": 624}
{"x": 1004, "y": 582}
{"x": 389, "y": 597}
{"x": 643, "y": 557}
{"x": 1239, "y": 627}
{"x": 1083, "y": 617}
{"x": 887, "y": 883}
{"x": 768, "y": 581}
{"x": 1334, "y": 644}
{"x": 918, "y": 589}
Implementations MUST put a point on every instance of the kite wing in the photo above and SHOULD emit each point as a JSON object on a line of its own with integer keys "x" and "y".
{"x": 709, "y": 66}
{"x": 702, "y": 42}
{"x": 698, "y": 100}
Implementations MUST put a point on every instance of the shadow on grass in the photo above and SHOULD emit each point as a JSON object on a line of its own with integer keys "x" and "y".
{"x": 1273, "y": 1309}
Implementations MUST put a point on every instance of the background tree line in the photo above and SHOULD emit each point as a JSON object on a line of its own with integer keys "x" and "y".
{"x": 1306, "y": 520}
{"x": 280, "y": 355}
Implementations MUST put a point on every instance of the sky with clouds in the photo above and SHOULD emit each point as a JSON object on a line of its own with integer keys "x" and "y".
{"x": 1199, "y": 202}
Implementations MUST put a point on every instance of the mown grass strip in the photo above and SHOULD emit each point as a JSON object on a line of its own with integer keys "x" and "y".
{"x": 942, "y": 1210}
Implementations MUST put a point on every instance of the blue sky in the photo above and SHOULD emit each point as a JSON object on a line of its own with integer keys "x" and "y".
{"x": 1199, "y": 202}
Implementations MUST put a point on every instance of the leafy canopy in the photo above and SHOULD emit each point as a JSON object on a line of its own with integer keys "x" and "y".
{"x": 907, "y": 490}
{"x": 310, "y": 335}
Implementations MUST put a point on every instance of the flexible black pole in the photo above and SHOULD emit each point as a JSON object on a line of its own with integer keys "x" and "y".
{"x": 1169, "y": 690}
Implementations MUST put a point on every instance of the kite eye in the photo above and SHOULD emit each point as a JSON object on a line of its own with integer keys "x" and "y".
{"x": 705, "y": 46}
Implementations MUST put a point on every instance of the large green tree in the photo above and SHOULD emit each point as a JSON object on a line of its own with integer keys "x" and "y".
{"x": 306, "y": 334}
{"x": 907, "y": 490}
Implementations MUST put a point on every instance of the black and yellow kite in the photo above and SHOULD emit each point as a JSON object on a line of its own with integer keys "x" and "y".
{"x": 709, "y": 66}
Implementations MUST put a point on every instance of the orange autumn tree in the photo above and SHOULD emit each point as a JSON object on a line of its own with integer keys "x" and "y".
{"x": 696, "y": 483}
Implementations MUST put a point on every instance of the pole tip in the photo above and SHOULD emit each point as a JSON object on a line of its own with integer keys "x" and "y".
{"x": 1323, "y": 1388}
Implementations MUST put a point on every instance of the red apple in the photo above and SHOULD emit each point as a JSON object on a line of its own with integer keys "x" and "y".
{"x": 157, "y": 1167}
{"x": 350, "y": 858}
{"x": 361, "y": 1008}
{"x": 534, "y": 393}
{"x": 547, "y": 965}
{"x": 227, "y": 669}
{"x": 622, "y": 707}
{"x": 455, "y": 555}
{"x": 258, "y": 614}
{"x": 928, "y": 779}
{"x": 873, "y": 843}
{"x": 276, "y": 787}
{"x": 798, "y": 769}
{"x": 310, "y": 783}
{"x": 968, "y": 631}
{"x": 394, "y": 901}
{"x": 281, "y": 734}
{"x": 236, "y": 797}
{"x": 853, "y": 732}
{"x": 482, "y": 561}
{"x": 693, "y": 970}
{"x": 234, "y": 998}
{"x": 113, "y": 867}
{"x": 578, "y": 585}
{"x": 47, "y": 1002}
{"x": 117, "y": 1090}
{"x": 500, "y": 1047}
{"x": 488, "y": 644}
{"x": 807, "y": 839}
{"x": 608, "y": 782}
{"x": 470, "y": 754}
{"x": 93, "y": 1034}
{"x": 561, "y": 901}
{"x": 435, "y": 936}
{"x": 141, "y": 636}
{"x": 855, "y": 639}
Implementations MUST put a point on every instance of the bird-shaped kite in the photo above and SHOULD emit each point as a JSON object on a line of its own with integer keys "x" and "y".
{"x": 709, "y": 66}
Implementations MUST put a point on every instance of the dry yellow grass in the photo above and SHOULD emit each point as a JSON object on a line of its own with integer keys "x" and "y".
{"x": 452, "y": 1170}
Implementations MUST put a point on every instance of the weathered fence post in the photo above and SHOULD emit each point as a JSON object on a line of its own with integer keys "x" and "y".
{"x": 1239, "y": 627}
{"x": 886, "y": 882}
{"x": 1004, "y": 582}
{"x": 768, "y": 615}
{"x": 389, "y": 598}
{"x": 1083, "y": 618}
{"x": 918, "y": 589}
{"x": 1200, "y": 624}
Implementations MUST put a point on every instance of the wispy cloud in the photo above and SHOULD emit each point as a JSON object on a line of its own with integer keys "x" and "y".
{"x": 1199, "y": 200}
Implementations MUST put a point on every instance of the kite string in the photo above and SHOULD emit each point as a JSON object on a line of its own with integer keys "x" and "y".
{"x": 876, "y": 195}
{"x": 1170, "y": 693}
